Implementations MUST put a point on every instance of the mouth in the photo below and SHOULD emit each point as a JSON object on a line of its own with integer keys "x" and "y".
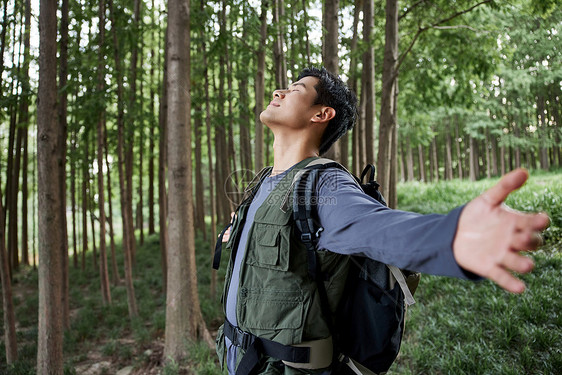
{"x": 274, "y": 104}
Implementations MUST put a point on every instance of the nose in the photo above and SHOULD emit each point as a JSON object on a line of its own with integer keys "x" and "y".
{"x": 278, "y": 94}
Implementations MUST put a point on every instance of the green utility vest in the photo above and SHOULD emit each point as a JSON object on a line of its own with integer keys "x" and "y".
{"x": 277, "y": 299}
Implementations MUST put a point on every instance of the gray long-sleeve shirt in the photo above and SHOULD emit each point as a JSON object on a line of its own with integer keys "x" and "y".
{"x": 356, "y": 224}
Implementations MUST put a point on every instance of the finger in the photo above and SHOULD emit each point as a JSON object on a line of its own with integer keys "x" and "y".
{"x": 508, "y": 183}
{"x": 540, "y": 221}
{"x": 518, "y": 263}
{"x": 526, "y": 240}
{"x": 506, "y": 280}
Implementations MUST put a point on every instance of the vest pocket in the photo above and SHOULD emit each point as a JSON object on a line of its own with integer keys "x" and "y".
{"x": 273, "y": 309}
{"x": 270, "y": 247}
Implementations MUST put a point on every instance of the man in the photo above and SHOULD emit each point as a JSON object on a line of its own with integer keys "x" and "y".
{"x": 272, "y": 306}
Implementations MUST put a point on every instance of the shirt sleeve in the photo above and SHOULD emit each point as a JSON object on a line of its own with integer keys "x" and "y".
{"x": 356, "y": 224}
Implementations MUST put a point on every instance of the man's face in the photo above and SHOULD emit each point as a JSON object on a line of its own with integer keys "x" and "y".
{"x": 292, "y": 107}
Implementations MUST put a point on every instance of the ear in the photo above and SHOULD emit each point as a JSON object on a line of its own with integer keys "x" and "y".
{"x": 324, "y": 114}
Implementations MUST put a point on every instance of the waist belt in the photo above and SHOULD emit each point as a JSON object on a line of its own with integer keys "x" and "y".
{"x": 310, "y": 355}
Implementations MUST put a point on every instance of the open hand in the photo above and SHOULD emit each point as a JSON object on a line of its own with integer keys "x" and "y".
{"x": 490, "y": 235}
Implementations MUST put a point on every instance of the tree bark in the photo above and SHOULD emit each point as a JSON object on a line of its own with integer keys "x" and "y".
{"x": 435, "y": 159}
{"x": 183, "y": 315}
{"x": 125, "y": 202}
{"x": 10, "y": 338}
{"x": 352, "y": 84}
{"x": 50, "y": 331}
{"x": 260, "y": 87}
{"x": 421, "y": 159}
{"x": 245, "y": 138}
{"x": 203, "y": 51}
{"x": 85, "y": 177}
{"x": 473, "y": 159}
{"x": 73, "y": 201}
{"x": 448, "y": 154}
{"x": 385, "y": 158}
{"x": 369, "y": 83}
{"x": 152, "y": 126}
{"x": 279, "y": 45}
{"x": 330, "y": 59}
{"x": 199, "y": 188}
{"x": 162, "y": 169}
{"x": 410, "y": 158}
{"x": 458, "y": 148}
{"x": 115, "y": 278}
{"x": 104, "y": 276}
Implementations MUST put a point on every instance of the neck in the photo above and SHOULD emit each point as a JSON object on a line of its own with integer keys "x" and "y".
{"x": 288, "y": 152}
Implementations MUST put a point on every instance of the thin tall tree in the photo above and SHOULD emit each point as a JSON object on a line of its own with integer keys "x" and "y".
{"x": 10, "y": 341}
{"x": 184, "y": 319}
{"x": 104, "y": 276}
{"x": 50, "y": 331}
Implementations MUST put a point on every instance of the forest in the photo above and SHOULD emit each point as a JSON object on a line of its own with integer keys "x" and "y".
{"x": 129, "y": 130}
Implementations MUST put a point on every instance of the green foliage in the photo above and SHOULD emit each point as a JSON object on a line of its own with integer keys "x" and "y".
{"x": 460, "y": 327}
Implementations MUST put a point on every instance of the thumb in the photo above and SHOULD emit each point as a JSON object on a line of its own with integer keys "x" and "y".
{"x": 508, "y": 183}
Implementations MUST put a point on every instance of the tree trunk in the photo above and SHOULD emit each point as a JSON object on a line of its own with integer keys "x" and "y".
{"x": 152, "y": 126}
{"x": 104, "y": 276}
{"x": 458, "y": 148}
{"x": 73, "y": 200}
{"x": 421, "y": 160}
{"x": 183, "y": 315}
{"x": 368, "y": 95}
{"x": 260, "y": 87}
{"x": 542, "y": 128}
{"x": 245, "y": 138}
{"x": 93, "y": 224}
{"x": 385, "y": 158}
{"x": 140, "y": 191}
{"x": 24, "y": 124}
{"x": 115, "y": 278}
{"x": 243, "y": 97}
{"x": 24, "y": 199}
{"x": 352, "y": 84}
{"x": 494, "y": 151}
{"x": 10, "y": 341}
{"x": 488, "y": 156}
{"x": 203, "y": 51}
{"x": 128, "y": 141}
{"x": 435, "y": 159}
{"x": 5, "y": 20}
{"x": 279, "y": 45}
{"x": 85, "y": 177}
{"x": 162, "y": 169}
{"x": 402, "y": 161}
{"x": 50, "y": 330}
{"x": 13, "y": 202}
{"x": 449, "y": 155}
{"x": 330, "y": 60}
{"x": 410, "y": 162}
{"x": 472, "y": 159}
{"x": 125, "y": 202}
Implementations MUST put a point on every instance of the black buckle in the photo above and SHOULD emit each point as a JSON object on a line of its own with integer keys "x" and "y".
{"x": 241, "y": 338}
{"x": 306, "y": 237}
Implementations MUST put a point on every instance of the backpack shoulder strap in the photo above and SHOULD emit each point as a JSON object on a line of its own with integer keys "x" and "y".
{"x": 249, "y": 193}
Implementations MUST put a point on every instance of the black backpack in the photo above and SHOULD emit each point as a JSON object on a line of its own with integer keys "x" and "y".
{"x": 369, "y": 322}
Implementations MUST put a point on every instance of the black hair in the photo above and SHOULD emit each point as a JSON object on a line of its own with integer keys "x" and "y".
{"x": 332, "y": 92}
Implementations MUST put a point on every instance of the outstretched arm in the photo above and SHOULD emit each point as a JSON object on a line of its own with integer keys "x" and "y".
{"x": 490, "y": 235}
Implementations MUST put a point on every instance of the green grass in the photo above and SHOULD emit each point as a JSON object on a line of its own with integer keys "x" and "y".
{"x": 456, "y": 326}
{"x": 460, "y": 327}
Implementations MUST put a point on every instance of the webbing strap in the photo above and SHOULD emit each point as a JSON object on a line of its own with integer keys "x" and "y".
{"x": 218, "y": 248}
{"x": 399, "y": 276}
{"x": 255, "y": 346}
{"x": 356, "y": 367}
{"x": 248, "y": 195}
